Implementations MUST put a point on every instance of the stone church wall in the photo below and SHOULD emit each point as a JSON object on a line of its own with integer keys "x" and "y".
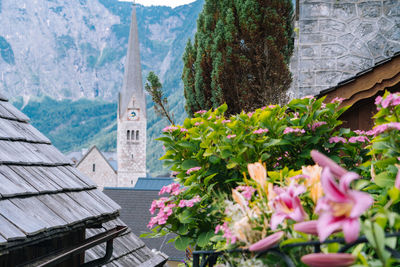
{"x": 336, "y": 39}
{"x": 103, "y": 174}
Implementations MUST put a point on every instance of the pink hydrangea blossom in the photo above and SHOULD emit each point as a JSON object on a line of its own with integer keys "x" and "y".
{"x": 361, "y": 139}
{"x": 323, "y": 105}
{"x": 260, "y": 131}
{"x": 317, "y": 124}
{"x": 359, "y": 132}
{"x": 385, "y": 127}
{"x": 169, "y": 129}
{"x": 287, "y": 205}
{"x": 225, "y": 121}
{"x": 250, "y": 114}
{"x": 173, "y": 189}
{"x": 200, "y": 112}
{"x": 397, "y": 181}
{"x": 271, "y": 106}
{"x": 194, "y": 169}
{"x": 378, "y": 100}
{"x": 337, "y": 139}
{"x": 209, "y": 118}
{"x": 189, "y": 203}
{"x": 165, "y": 210}
{"x": 337, "y": 99}
{"x": 183, "y": 130}
{"x": 293, "y": 130}
{"x": 229, "y": 236}
{"x": 198, "y": 123}
{"x": 308, "y": 97}
{"x": 247, "y": 191}
{"x": 230, "y": 136}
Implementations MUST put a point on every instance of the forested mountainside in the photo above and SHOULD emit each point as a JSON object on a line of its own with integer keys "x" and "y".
{"x": 62, "y": 62}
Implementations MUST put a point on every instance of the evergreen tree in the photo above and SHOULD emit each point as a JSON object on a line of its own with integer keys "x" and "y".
{"x": 154, "y": 88}
{"x": 239, "y": 55}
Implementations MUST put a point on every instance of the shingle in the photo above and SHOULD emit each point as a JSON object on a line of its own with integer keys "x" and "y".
{"x": 39, "y": 183}
{"x": 14, "y": 112}
{"x": 26, "y": 223}
{"x": 34, "y": 207}
{"x": 20, "y": 185}
{"x": 71, "y": 170}
{"x": 9, "y": 231}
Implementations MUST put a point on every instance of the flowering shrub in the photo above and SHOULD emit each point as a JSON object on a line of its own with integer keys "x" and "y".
{"x": 322, "y": 181}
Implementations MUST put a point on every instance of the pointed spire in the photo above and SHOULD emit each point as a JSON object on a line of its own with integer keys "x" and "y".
{"x": 132, "y": 88}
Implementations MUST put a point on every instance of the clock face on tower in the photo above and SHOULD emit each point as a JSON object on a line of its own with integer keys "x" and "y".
{"x": 133, "y": 114}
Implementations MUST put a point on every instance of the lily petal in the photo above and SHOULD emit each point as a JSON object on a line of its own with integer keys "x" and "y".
{"x": 267, "y": 242}
{"x": 331, "y": 188}
{"x": 276, "y": 219}
{"x": 326, "y": 225}
{"x": 324, "y": 162}
{"x": 362, "y": 202}
{"x": 309, "y": 227}
{"x": 346, "y": 180}
{"x": 331, "y": 259}
{"x": 397, "y": 182}
{"x": 351, "y": 229}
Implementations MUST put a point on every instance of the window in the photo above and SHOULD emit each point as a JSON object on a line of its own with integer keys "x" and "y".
{"x": 131, "y": 181}
{"x": 128, "y": 134}
{"x": 94, "y": 167}
{"x": 137, "y": 135}
{"x": 133, "y": 135}
{"x": 132, "y": 156}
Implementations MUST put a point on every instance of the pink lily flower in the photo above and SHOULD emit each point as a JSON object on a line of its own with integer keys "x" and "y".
{"x": 309, "y": 227}
{"x": 397, "y": 182}
{"x": 331, "y": 259}
{"x": 341, "y": 207}
{"x": 287, "y": 205}
{"x": 267, "y": 242}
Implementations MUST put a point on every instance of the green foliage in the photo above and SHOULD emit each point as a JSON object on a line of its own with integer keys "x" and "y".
{"x": 73, "y": 125}
{"x": 219, "y": 149}
{"x": 154, "y": 88}
{"x": 6, "y": 50}
{"x": 239, "y": 55}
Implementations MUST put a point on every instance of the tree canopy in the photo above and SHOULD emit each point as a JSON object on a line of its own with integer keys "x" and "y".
{"x": 239, "y": 55}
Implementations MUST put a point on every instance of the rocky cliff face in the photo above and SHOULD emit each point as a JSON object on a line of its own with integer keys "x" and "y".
{"x": 77, "y": 48}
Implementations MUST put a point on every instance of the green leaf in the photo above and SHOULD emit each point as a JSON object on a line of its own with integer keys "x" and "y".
{"x": 208, "y": 178}
{"x": 383, "y": 179}
{"x": 182, "y": 242}
{"x": 394, "y": 194}
{"x": 291, "y": 241}
{"x": 231, "y": 165}
{"x": 204, "y": 238}
{"x": 189, "y": 163}
{"x": 226, "y": 153}
{"x": 185, "y": 216}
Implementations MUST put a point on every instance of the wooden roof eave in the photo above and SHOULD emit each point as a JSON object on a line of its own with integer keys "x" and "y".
{"x": 366, "y": 84}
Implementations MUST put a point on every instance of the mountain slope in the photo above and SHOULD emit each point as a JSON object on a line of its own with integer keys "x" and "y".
{"x": 76, "y": 49}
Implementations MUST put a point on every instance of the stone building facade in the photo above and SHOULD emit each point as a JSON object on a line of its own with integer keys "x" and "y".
{"x": 132, "y": 119}
{"x": 336, "y": 39}
{"x": 98, "y": 168}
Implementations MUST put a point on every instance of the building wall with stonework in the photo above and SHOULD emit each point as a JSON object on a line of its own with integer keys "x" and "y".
{"x": 131, "y": 149}
{"x": 94, "y": 165}
{"x": 336, "y": 39}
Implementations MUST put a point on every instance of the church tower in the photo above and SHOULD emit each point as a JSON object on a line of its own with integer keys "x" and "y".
{"x": 132, "y": 120}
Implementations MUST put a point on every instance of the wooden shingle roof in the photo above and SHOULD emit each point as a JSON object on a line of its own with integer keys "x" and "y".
{"x": 42, "y": 194}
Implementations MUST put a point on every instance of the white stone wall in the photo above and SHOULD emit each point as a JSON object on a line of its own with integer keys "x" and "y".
{"x": 104, "y": 175}
{"x": 336, "y": 39}
{"x": 131, "y": 153}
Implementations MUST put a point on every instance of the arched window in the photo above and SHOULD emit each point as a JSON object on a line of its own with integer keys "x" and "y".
{"x": 94, "y": 167}
{"x": 137, "y": 135}
{"x": 128, "y": 135}
{"x": 133, "y": 135}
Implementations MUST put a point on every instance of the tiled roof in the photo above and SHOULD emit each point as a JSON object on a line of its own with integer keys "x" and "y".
{"x": 135, "y": 213}
{"x": 41, "y": 194}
